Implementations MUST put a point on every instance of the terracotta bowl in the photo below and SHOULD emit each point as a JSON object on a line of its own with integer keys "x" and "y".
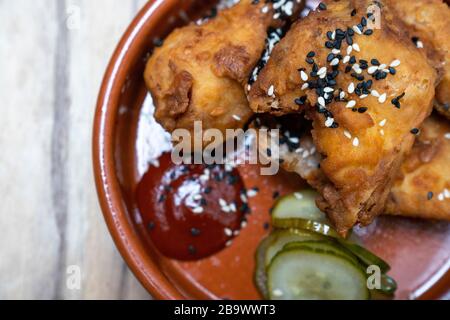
{"x": 125, "y": 136}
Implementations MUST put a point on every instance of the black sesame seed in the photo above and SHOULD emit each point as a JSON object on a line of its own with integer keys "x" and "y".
{"x": 330, "y": 35}
{"x": 430, "y": 195}
{"x": 162, "y": 198}
{"x": 309, "y": 60}
{"x": 311, "y": 54}
{"x": 353, "y": 13}
{"x": 192, "y": 250}
{"x": 275, "y": 195}
{"x": 375, "y": 62}
{"x": 322, "y": 6}
{"x": 362, "y": 109}
{"x": 266, "y": 226}
{"x": 157, "y": 42}
{"x": 151, "y": 225}
{"x": 207, "y": 190}
{"x": 329, "y": 44}
{"x": 337, "y": 44}
{"x": 195, "y": 232}
{"x": 352, "y": 60}
{"x": 269, "y": 152}
{"x": 330, "y": 57}
{"x": 349, "y": 40}
{"x": 392, "y": 70}
{"x": 348, "y": 69}
{"x": 203, "y": 202}
{"x": 363, "y": 21}
{"x": 350, "y": 31}
{"x": 368, "y": 32}
{"x": 414, "y": 131}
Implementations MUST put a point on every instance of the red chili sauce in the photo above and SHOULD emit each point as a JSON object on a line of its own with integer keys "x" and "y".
{"x": 191, "y": 211}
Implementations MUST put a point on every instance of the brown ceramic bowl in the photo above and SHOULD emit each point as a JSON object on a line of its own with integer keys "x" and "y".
{"x": 417, "y": 250}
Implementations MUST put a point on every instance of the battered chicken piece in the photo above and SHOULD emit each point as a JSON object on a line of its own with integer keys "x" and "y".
{"x": 199, "y": 72}
{"x": 429, "y": 25}
{"x": 421, "y": 190}
{"x": 367, "y": 89}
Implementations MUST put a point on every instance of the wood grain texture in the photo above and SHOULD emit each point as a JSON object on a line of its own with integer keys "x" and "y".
{"x": 52, "y": 57}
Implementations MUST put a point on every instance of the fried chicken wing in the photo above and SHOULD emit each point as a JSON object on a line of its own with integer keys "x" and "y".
{"x": 421, "y": 189}
{"x": 199, "y": 72}
{"x": 429, "y": 25}
{"x": 366, "y": 90}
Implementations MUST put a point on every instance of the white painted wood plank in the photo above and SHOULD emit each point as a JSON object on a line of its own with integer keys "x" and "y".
{"x": 50, "y": 217}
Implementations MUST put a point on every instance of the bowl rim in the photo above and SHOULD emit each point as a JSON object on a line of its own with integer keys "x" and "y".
{"x": 120, "y": 227}
{"x": 122, "y": 231}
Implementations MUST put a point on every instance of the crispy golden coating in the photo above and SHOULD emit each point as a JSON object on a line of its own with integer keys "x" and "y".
{"x": 422, "y": 189}
{"x": 199, "y": 72}
{"x": 362, "y": 145}
{"x": 429, "y": 24}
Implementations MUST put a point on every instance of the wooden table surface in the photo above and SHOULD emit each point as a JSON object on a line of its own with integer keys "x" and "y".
{"x": 52, "y": 57}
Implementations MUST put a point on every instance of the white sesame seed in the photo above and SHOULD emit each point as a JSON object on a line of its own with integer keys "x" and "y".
{"x": 351, "y": 88}
{"x": 276, "y": 15}
{"x": 228, "y": 232}
{"x": 374, "y": 93}
{"x": 382, "y": 122}
{"x": 305, "y": 86}
{"x": 249, "y": 87}
{"x": 328, "y": 89}
{"x": 342, "y": 95}
{"x": 271, "y": 91}
{"x": 346, "y": 58}
{"x": 305, "y": 154}
{"x": 355, "y": 142}
{"x": 351, "y": 104}
{"x": 382, "y": 98}
{"x": 294, "y": 140}
{"x": 357, "y": 30}
{"x": 244, "y": 198}
{"x": 372, "y": 69}
{"x": 382, "y": 132}
{"x": 232, "y": 207}
{"x": 329, "y": 122}
{"x": 243, "y": 224}
{"x": 363, "y": 96}
{"x": 395, "y": 63}
{"x": 334, "y": 62}
{"x": 222, "y": 203}
{"x": 197, "y": 196}
{"x": 303, "y": 75}
{"x": 322, "y": 71}
{"x": 197, "y": 210}
{"x": 357, "y": 68}
{"x": 229, "y": 243}
{"x": 335, "y": 51}
{"x": 236, "y": 117}
{"x": 419, "y": 44}
{"x": 298, "y": 195}
{"x": 333, "y": 35}
{"x": 347, "y": 134}
{"x": 440, "y": 197}
{"x": 277, "y": 293}
{"x": 326, "y": 95}
{"x": 251, "y": 193}
{"x": 446, "y": 193}
{"x": 356, "y": 47}
{"x": 265, "y": 9}
{"x": 349, "y": 50}
{"x": 382, "y": 66}
{"x": 447, "y": 135}
{"x": 321, "y": 101}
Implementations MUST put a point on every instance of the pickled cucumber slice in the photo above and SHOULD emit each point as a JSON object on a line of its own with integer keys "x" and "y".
{"x": 282, "y": 237}
{"x": 300, "y": 204}
{"x": 303, "y": 274}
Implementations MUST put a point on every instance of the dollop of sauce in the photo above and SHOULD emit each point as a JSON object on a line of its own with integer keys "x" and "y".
{"x": 191, "y": 211}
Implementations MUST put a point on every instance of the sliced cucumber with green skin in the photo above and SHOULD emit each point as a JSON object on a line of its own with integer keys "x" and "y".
{"x": 298, "y": 210}
{"x": 324, "y": 246}
{"x": 260, "y": 276}
{"x": 304, "y": 274}
{"x": 366, "y": 257}
{"x": 300, "y": 205}
{"x": 309, "y": 225}
{"x": 282, "y": 237}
